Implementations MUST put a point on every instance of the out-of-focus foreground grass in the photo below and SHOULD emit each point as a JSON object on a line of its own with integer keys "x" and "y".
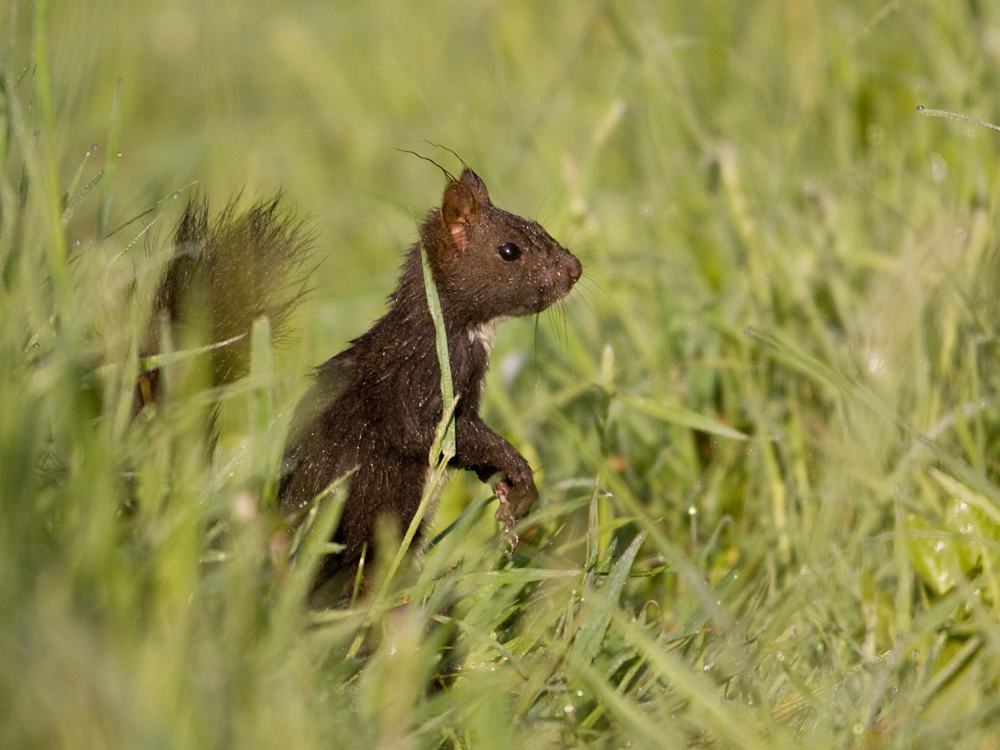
{"x": 766, "y": 425}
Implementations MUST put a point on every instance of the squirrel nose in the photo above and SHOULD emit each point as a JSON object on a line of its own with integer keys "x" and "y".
{"x": 575, "y": 269}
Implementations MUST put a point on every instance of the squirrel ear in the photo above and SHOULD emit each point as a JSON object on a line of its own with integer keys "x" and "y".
{"x": 458, "y": 205}
{"x": 471, "y": 180}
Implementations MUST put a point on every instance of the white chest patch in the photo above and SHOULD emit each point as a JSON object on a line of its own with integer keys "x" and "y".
{"x": 485, "y": 334}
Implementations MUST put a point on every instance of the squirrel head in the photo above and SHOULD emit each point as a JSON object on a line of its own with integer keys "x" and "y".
{"x": 489, "y": 263}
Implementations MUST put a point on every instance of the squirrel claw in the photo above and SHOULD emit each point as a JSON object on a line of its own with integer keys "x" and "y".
{"x": 512, "y": 508}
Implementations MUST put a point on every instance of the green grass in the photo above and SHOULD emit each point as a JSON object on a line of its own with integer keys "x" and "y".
{"x": 776, "y": 245}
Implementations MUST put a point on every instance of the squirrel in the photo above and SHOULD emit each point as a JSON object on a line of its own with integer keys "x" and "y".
{"x": 373, "y": 409}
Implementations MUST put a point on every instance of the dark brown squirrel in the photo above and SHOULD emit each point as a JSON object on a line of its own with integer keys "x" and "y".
{"x": 374, "y": 407}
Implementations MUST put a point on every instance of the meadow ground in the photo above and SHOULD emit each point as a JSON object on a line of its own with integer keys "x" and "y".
{"x": 766, "y": 424}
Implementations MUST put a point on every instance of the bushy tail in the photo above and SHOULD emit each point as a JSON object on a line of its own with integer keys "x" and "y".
{"x": 227, "y": 272}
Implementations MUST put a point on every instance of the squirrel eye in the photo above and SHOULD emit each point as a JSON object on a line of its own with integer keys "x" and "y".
{"x": 509, "y": 251}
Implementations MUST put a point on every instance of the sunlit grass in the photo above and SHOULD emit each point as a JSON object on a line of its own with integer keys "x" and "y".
{"x": 765, "y": 425}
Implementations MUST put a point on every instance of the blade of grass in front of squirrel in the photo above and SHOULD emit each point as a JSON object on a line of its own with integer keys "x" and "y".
{"x": 443, "y": 447}
{"x": 447, "y": 390}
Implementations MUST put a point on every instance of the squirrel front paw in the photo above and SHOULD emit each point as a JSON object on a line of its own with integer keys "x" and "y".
{"x": 516, "y": 499}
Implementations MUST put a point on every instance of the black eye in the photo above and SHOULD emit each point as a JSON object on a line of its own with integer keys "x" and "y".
{"x": 509, "y": 251}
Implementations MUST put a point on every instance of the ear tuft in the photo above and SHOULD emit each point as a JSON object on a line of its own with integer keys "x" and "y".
{"x": 458, "y": 206}
{"x": 471, "y": 180}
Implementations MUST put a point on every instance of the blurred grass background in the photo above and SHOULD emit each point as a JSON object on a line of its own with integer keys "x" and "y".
{"x": 775, "y": 242}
